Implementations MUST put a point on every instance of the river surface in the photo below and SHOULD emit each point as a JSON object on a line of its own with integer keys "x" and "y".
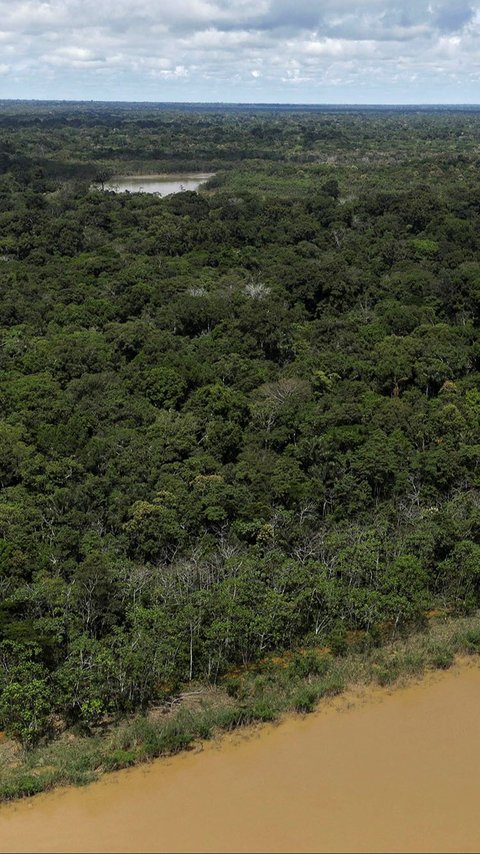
{"x": 378, "y": 771}
{"x": 162, "y": 185}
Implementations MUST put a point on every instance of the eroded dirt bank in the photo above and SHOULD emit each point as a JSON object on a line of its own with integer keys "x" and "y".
{"x": 395, "y": 771}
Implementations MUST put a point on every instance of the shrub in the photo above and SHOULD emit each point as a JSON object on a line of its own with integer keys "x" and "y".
{"x": 25, "y": 710}
{"x": 387, "y": 673}
{"x": 337, "y": 641}
{"x": 412, "y": 663}
{"x": 91, "y": 711}
{"x": 230, "y": 718}
{"x": 120, "y": 759}
{"x": 232, "y": 686}
{"x": 441, "y": 658}
{"x": 309, "y": 664}
{"x": 469, "y": 640}
{"x": 331, "y": 686}
{"x": 306, "y": 699}
{"x": 262, "y": 710}
{"x": 22, "y": 787}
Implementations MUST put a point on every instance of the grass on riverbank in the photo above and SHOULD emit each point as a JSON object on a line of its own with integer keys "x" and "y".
{"x": 296, "y": 683}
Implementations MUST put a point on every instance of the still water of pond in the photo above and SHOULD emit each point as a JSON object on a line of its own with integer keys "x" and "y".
{"x": 161, "y": 185}
{"x": 383, "y": 771}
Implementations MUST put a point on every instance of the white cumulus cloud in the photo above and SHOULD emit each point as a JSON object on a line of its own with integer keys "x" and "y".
{"x": 332, "y": 50}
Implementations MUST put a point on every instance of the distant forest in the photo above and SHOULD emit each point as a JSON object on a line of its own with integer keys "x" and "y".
{"x": 234, "y": 421}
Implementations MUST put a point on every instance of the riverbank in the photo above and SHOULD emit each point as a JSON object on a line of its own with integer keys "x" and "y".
{"x": 295, "y": 683}
{"x": 373, "y": 770}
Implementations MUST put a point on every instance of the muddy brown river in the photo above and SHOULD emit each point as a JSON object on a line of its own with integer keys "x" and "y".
{"x": 378, "y": 771}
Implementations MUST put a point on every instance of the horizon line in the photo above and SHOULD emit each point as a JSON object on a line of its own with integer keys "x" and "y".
{"x": 245, "y": 103}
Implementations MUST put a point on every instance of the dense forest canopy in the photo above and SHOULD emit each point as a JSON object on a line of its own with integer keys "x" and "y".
{"x": 232, "y": 421}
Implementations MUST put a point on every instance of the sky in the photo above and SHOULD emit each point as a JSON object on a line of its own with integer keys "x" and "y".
{"x": 268, "y": 51}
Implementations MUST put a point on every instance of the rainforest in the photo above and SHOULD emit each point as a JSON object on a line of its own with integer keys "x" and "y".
{"x": 237, "y": 422}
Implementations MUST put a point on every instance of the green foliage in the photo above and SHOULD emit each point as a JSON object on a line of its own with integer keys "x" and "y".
{"x": 235, "y": 421}
{"x": 337, "y": 640}
{"x": 468, "y": 641}
{"x": 425, "y": 246}
{"x": 266, "y": 692}
{"x": 26, "y": 693}
{"x": 387, "y": 674}
{"x": 22, "y": 787}
{"x": 263, "y": 711}
{"x": 121, "y": 759}
{"x": 307, "y": 696}
{"x": 441, "y": 658}
{"x": 25, "y": 710}
{"x": 306, "y": 699}
{"x": 309, "y": 664}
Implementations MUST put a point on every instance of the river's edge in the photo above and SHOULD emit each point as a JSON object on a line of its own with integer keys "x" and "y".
{"x": 278, "y": 687}
{"x": 376, "y": 769}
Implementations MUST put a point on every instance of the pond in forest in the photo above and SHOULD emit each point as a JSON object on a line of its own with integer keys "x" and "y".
{"x": 160, "y": 185}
